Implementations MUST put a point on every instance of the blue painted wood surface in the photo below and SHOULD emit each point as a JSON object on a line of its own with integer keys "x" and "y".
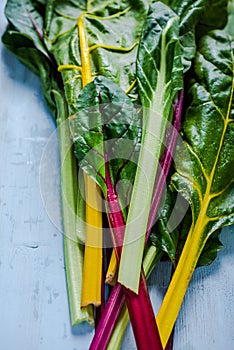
{"x": 34, "y": 311}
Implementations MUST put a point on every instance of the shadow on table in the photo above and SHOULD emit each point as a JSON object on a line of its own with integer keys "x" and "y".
{"x": 82, "y": 329}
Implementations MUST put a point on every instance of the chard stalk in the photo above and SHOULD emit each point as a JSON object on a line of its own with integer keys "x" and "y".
{"x": 73, "y": 250}
{"x": 112, "y": 326}
{"x": 151, "y": 258}
{"x": 165, "y": 161}
{"x": 112, "y": 270}
{"x": 205, "y": 175}
{"x": 181, "y": 279}
{"x": 92, "y": 273}
{"x": 139, "y": 305}
{"x": 159, "y": 77}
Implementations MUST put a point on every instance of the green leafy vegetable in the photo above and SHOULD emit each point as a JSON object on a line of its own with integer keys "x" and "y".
{"x": 26, "y": 17}
{"x": 196, "y": 18}
{"x": 204, "y": 173}
{"x": 229, "y": 27}
{"x": 25, "y": 40}
{"x": 159, "y": 76}
{"x": 170, "y": 237}
{"x": 148, "y": 66}
{"x": 112, "y": 31}
{"x": 103, "y": 122}
{"x": 106, "y": 132}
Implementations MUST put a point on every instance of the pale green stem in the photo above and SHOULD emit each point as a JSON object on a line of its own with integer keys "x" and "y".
{"x": 73, "y": 251}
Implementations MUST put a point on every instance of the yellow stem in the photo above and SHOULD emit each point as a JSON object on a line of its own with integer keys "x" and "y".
{"x": 84, "y": 51}
{"x": 112, "y": 48}
{"x": 193, "y": 247}
{"x": 173, "y": 299}
{"x": 118, "y": 14}
{"x": 69, "y": 66}
{"x": 92, "y": 268}
{"x": 130, "y": 87}
{"x": 112, "y": 270}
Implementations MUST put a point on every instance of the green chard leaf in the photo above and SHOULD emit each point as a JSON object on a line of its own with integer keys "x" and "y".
{"x": 112, "y": 30}
{"x": 24, "y": 38}
{"x": 171, "y": 230}
{"x": 205, "y": 175}
{"x": 26, "y": 17}
{"x": 170, "y": 240}
{"x": 215, "y": 16}
{"x": 189, "y": 13}
{"x": 22, "y": 47}
{"x": 106, "y": 130}
{"x": 204, "y": 12}
{"x": 204, "y": 165}
{"x": 197, "y": 18}
{"x": 168, "y": 234}
{"x": 229, "y": 27}
{"x": 159, "y": 77}
{"x": 210, "y": 250}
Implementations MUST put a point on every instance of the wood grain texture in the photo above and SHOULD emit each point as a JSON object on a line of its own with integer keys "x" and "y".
{"x": 33, "y": 297}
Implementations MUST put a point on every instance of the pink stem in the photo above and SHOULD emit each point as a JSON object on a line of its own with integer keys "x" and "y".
{"x": 165, "y": 163}
{"x": 139, "y": 305}
{"x": 108, "y": 320}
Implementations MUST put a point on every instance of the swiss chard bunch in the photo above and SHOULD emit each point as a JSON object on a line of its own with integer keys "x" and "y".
{"x": 121, "y": 79}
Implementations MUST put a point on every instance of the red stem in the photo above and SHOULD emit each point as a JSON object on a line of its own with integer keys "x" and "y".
{"x": 165, "y": 162}
{"x": 139, "y": 305}
{"x": 108, "y": 320}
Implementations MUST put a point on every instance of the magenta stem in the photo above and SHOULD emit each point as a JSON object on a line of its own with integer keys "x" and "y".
{"x": 165, "y": 163}
{"x": 108, "y": 320}
{"x": 139, "y": 305}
